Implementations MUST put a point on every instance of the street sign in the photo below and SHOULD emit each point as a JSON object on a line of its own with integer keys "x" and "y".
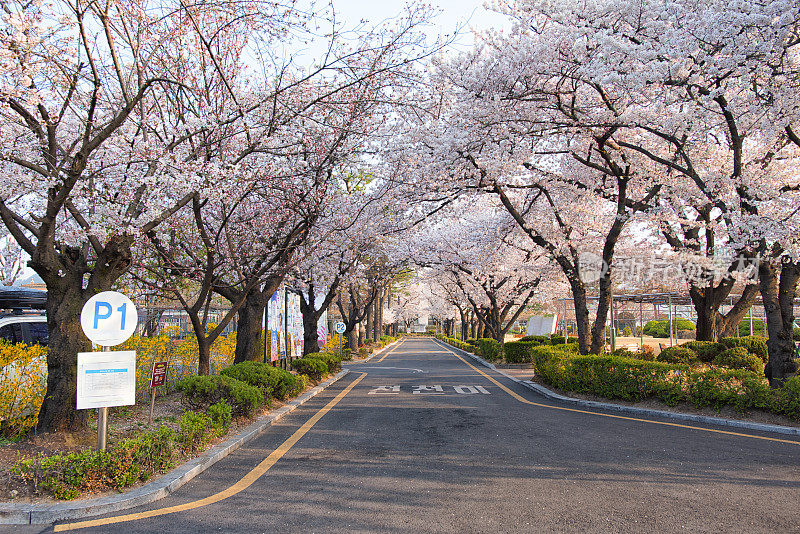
{"x": 340, "y": 328}
{"x": 106, "y": 379}
{"x": 159, "y": 374}
{"x": 157, "y": 379}
{"x": 109, "y": 318}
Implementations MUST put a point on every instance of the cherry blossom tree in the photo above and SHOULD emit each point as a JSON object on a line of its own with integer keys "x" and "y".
{"x": 704, "y": 96}
{"x": 107, "y": 113}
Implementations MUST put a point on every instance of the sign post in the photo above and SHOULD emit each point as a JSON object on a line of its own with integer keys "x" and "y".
{"x": 158, "y": 377}
{"x": 340, "y": 328}
{"x": 107, "y": 378}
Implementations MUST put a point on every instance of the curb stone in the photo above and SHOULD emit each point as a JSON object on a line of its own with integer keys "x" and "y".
{"x": 45, "y": 514}
{"x": 678, "y": 416}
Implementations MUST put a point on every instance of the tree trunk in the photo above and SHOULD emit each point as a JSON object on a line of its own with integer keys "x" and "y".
{"x": 473, "y": 328}
{"x": 778, "y": 296}
{"x": 379, "y": 318}
{"x": 599, "y": 326}
{"x": 361, "y": 337}
{"x": 203, "y": 355}
{"x": 310, "y": 335}
{"x": 711, "y": 324}
{"x": 63, "y": 274}
{"x": 352, "y": 340}
{"x": 581, "y": 314}
{"x": 249, "y": 328}
{"x": 370, "y": 326}
{"x": 58, "y": 412}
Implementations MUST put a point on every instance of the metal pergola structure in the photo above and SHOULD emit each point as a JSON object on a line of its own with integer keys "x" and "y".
{"x": 678, "y": 304}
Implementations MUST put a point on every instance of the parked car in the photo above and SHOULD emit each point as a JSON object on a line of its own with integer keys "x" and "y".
{"x": 22, "y": 319}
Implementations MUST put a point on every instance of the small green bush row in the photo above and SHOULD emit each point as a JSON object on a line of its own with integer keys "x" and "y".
{"x": 332, "y": 361}
{"x": 313, "y": 368}
{"x": 274, "y": 382}
{"x": 632, "y": 379}
{"x": 732, "y": 352}
{"x": 463, "y": 345}
{"x": 661, "y": 328}
{"x": 490, "y": 349}
{"x": 67, "y": 475}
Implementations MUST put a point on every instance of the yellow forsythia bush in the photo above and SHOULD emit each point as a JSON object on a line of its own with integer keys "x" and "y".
{"x": 23, "y": 381}
{"x": 180, "y": 354}
{"x": 335, "y": 342}
{"x": 23, "y": 371}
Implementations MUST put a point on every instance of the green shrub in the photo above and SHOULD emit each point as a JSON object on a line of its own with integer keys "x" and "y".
{"x": 333, "y": 362}
{"x": 542, "y": 340}
{"x": 556, "y": 339}
{"x": 221, "y": 415}
{"x": 363, "y": 352}
{"x": 788, "y": 398}
{"x": 661, "y": 328}
{"x": 68, "y": 475}
{"x": 347, "y": 354}
{"x": 625, "y": 353}
{"x": 679, "y": 355}
{"x": 519, "y": 351}
{"x": 739, "y": 358}
{"x": 647, "y": 353}
{"x": 273, "y": 381}
{"x": 195, "y": 431}
{"x": 758, "y": 327}
{"x": 706, "y": 350}
{"x": 627, "y": 332}
{"x": 313, "y": 368}
{"x": 624, "y": 378}
{"x": 207, "y": 390}
{"x": 736, "y": 387}
{"x": 754, "y": 344}
{"x": 796, "y": 334}
{"x": 489, "y": 348}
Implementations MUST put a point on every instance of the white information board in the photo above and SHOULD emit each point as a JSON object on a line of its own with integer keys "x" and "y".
{"x": 109, "y": 318}
{"x": 106, "y": 379}
{"x": 542, "y": 325}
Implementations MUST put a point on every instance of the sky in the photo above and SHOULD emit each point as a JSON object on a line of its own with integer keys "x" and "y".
{"x": 454, "y": 13}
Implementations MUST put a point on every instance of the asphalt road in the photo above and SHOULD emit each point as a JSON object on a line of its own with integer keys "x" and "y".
{"x": 426, "y": 443}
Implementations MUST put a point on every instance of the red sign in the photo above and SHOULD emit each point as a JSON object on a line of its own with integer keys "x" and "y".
{"x": 159, "y": 374}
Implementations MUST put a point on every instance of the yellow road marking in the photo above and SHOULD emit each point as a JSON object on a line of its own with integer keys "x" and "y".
{"x": 526, "y": 401}
{"x": 238, "y": 487}
{"x": 391, "y": 351}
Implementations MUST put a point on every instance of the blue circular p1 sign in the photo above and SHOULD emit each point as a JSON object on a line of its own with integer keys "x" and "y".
{"x": 109, "y": 318}
{"x": 339, "y": 327}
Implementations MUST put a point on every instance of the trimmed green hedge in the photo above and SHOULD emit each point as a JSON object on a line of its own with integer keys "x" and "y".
{"x": 313, "y": 368}
{"x": 630, "y": 379}
{"x": 273, "y": 381}
{"x": 519, "y": 351}
{"x": 754, "y": 344}
{"x": 706, "y": 350}
{"x": 661, "y": 328}
{"x": 542, "y": 340}
{"x": 333, "y": 362}
{"x": 210, "y": 389}
{"x": 678, "y": 355}
{"x": 739, "y": 358}
{"x": 490, "y": 349}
